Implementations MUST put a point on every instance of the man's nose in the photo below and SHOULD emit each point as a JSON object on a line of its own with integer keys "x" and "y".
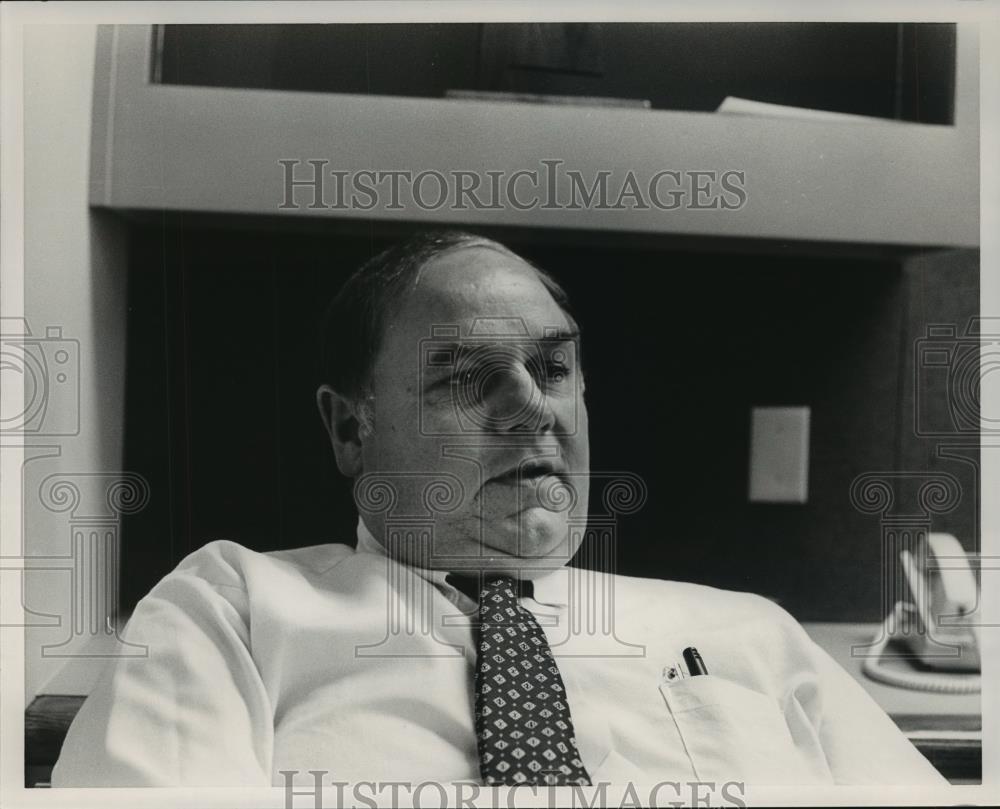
{"x": 516, "y": 402}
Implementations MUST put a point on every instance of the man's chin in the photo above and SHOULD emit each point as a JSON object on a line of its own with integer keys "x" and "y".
{"x": 511, "y": 553}
{"x": 526, "y": 551}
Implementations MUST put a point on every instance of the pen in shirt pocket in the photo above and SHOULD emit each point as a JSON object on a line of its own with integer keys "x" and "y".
{"x": 695, "y": 665}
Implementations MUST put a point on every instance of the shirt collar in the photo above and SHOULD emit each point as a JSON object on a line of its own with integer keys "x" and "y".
{"x": 551, "y": 589}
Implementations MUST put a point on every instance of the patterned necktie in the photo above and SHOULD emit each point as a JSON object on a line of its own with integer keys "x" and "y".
{"x": 523, "y": 724}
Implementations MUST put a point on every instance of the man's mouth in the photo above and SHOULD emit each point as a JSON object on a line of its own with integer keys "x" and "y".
{"x": 528, "y": 472}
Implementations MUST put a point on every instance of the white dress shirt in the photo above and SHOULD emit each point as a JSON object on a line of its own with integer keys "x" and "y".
{"x": 342, "y": 660}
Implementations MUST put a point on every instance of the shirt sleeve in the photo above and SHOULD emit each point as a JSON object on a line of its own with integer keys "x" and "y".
{"x": 861, "y": 743}
{"x": 194, "y": 711}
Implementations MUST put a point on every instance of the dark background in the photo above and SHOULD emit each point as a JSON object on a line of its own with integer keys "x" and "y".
{"x": 681, "y": 338}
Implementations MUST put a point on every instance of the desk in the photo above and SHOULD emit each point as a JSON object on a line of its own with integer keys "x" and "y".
{"x": 947, "y": 728}
{"x": 48, "y": 717}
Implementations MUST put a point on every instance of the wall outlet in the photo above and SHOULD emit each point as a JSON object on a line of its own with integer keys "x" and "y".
{"x": 779, "y": 454}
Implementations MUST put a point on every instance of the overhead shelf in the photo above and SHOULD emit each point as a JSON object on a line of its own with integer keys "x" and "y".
{"x": 219, "y": 150}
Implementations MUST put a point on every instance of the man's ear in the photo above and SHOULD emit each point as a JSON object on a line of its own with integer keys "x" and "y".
{"x": 344, "y": 428}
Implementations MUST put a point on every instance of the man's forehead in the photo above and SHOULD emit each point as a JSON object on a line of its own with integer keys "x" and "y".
{"x": 483, "y": 291}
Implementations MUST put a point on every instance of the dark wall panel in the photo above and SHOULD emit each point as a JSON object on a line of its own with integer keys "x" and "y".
{"x": 679, "y": 345}
{"x": 941, "y": 368}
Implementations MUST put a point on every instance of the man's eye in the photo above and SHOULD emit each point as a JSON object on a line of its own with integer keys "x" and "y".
{"x": 557, "y": 372}
{"x": 464, "y": 378}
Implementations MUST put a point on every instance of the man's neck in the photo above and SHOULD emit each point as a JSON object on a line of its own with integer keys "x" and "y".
{"x": 550, "y": 587}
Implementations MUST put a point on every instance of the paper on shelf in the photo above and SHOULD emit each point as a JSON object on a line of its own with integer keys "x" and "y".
{"x": 733, "y": 105}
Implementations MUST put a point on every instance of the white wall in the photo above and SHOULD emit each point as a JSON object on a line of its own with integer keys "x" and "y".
{"x": 73, "y": 279}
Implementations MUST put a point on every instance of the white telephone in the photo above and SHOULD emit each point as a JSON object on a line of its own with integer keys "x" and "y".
{"x": 937, "y": 627}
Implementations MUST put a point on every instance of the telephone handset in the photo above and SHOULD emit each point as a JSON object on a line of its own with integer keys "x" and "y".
{"x": 936, "y": 626}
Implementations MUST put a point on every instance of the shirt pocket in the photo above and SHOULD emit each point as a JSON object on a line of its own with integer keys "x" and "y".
{"x": 733, "y": 733}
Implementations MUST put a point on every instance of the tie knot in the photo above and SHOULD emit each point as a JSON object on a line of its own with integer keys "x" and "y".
{"x": 499, "y": 584}
{"x": 476, "y": 587}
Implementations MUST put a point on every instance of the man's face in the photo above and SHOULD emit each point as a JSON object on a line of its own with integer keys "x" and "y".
{"x": 478, "y": 391}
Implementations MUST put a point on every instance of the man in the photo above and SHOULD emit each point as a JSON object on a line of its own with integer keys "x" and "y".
{"x": 454, "y": 643}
